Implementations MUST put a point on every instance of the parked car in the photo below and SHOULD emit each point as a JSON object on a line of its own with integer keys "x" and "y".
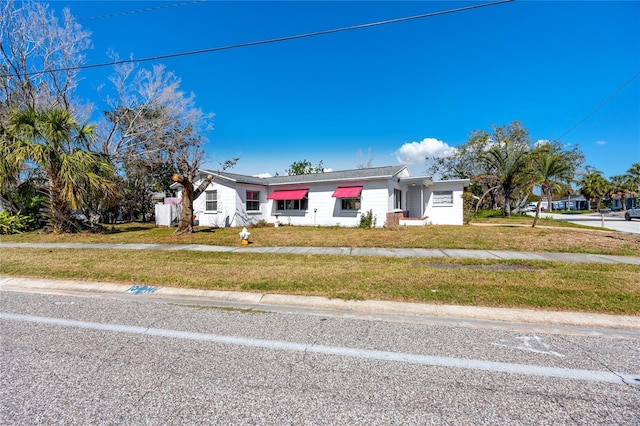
{"x": 531, "y": 207}
{"x": 633, "y": 213}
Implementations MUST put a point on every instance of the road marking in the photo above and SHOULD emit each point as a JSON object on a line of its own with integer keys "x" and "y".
{"x": 137, "y": 289}
{"x": 473, "y": 364}
{"x": 530, "y": 344}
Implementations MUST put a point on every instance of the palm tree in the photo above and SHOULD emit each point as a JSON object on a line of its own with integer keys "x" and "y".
{"x": 9, "y": 169}
{"x": 508, "y": 163}
{"x": 551, "y": 172}
{"x": 633, "y": 174}
{"x": 52, "y": 140}
{"x": 622, "y": 188}
{"x": 593, "y": 186}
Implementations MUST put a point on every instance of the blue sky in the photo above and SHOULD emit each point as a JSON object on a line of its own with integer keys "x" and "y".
{"x": 400, "y": 91}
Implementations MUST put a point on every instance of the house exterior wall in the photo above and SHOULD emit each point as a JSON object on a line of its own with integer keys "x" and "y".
{"x": 232, "y": 207}
{"x": 378, "y": 195}
{"x": 244, "y": 217}
{"x": 325, "y": 210}
{"x": 446, "y": 214}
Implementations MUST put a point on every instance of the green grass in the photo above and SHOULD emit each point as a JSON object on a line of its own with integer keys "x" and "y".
{"x": 514, "y": 234}
{"x": 604, "y": 288}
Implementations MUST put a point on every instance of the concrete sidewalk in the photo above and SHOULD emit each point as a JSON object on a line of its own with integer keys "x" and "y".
{"x": 370, "y": 307}
{"x": 351, "y": 251}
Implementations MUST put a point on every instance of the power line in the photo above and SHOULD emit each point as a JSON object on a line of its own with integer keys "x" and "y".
{"x": 599, "y": 107}
{"x": 133, "y": 12}
{"x": 261, "y": 42}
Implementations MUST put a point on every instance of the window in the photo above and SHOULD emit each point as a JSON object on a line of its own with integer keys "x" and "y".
{"x": 442, "y": 198}
{"x": 293, "y": 204}
{"x": 211, "y": 201}
{"x": 397, "y": 199}
{"x": 253, "y": 201}
{"x": 350, "y": 203}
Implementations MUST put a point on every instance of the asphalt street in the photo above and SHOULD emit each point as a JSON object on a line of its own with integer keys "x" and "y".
{"x": 613, "y": 221}
{"x": 97, "y": 358}
{"x": 100, "y": 353}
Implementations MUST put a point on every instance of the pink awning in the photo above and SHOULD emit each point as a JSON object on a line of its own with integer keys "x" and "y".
{"x": 347, "y": 192}
{"x": 288, "y": 194}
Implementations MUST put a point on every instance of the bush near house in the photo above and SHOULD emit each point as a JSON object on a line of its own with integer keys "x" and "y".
{"x": 367, "y": 220}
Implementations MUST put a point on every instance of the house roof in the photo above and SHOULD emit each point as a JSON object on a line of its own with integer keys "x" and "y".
{"x": 342, "y": 175}
{"x": 239, "y": 178}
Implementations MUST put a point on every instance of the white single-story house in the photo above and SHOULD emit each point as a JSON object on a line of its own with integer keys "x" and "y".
{"x": 577, "y": 202}
{"x": 338, "y": 198}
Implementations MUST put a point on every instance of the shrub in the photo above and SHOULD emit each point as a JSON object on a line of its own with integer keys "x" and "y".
{"x": 367, "y": 220}
{"x": 13, "y": 224}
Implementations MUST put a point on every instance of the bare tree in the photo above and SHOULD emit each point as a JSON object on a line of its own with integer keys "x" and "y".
{"x": 362, "y": 164}
{"x": 152, "y": 122}
{"x": 189, "y": 165}
{"x": 40, "y": 55}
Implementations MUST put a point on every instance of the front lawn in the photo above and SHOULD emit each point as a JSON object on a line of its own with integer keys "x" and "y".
{"x": 603, "y": 288}
{"x": 503, "y": 234}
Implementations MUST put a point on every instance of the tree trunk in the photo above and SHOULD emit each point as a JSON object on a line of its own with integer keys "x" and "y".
{"x": 185, "y": 225}
{"x": 507, "y": 202}
{"x": 537, "y": 215}
{"x": 494, "y": 201}
{"x": 59, "y": 210}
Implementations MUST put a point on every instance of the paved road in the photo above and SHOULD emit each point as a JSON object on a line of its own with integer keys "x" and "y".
{"x": 363, "y": 309}
{"x": 98, "y": 359}
{"x": 610, "y": 221}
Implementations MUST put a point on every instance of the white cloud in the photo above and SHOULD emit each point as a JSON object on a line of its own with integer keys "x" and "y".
{"x": 417, "y": 152}
{"x": 542, "y": 142}
{"x": 263, "y": 175}
{"x": 601, "y": 142}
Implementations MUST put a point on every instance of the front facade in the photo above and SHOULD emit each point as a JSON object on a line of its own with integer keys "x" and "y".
{"x": 571, "y": 203}
{"x": 330, "y": 199}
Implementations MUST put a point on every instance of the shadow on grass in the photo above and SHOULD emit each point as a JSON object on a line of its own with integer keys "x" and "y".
{"x": 114, "y": 230}
{"x": 205, "y": 230}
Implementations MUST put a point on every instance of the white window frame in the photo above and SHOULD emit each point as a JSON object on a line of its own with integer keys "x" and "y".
{"x": 208, "y": 200}
{"x": 442, "y": 198}
{"x": 252, "y": 204}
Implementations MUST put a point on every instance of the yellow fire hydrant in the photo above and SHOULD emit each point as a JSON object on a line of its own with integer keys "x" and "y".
{"x": 244, "y": 236}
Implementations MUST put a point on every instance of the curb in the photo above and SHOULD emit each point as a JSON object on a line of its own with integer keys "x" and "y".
{"x": 263, "y": 301}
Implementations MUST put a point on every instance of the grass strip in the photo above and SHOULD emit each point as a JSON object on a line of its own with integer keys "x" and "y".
{"x": 602, "y": 288}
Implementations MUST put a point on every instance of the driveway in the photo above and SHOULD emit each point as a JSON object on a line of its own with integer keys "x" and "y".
{"x": 613, "y": 221}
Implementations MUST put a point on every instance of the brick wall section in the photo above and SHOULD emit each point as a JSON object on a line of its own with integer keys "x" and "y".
{"x": 393, "y": 219}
